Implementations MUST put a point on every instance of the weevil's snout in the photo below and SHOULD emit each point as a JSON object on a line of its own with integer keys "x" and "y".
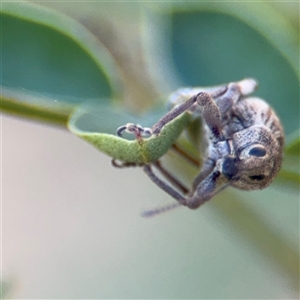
{"x": 229, "y": 168}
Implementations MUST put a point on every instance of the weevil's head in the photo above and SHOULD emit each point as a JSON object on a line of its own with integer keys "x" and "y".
{"x": 256, "y": 158}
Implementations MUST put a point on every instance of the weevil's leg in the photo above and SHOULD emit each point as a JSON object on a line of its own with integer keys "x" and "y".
{"x": 183, "y": 94}
{"x": 209, "y": 187}
{"x": 207, "y": 167}
{"x": 178, "y": 110}
{"x": 210, "y": 113}
{"x": 229, "y": 98}
{"x": 164, "y": 186}
{"x": 139, "y": 131}
{"x": 212, "y": 110}
{"x": 136, "y": 129}
{"x": 206, "y": 189}
{"x": 170, "y": 177}
{"x": 245, "y": 87}
{"x": 187, "y": 156}
{"x": 233, "y": 93}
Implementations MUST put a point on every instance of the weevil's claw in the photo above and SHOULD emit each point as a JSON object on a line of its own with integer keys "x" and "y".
{"x": 129, "y": 127}
{"x": 121, "y": 129}
{"x": 136, "y": 129}
{"x": 147, "y": 132}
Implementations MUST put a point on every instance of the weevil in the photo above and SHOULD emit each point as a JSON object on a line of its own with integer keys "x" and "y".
{"x": 243, "y": 140}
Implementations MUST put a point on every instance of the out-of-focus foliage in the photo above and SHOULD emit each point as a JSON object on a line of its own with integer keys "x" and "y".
{"x": 50, "y": 63}
{"x": 293, "y": 144}
{"x": 58, "y": 55}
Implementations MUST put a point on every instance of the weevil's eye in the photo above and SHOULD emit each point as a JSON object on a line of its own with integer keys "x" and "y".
{"x": 258, "y": 151}
{"x": 253, "y": 151}
{"x": 257, "y": 177}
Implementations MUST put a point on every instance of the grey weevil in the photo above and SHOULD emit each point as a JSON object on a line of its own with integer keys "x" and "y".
{"x": 244, "y": 141}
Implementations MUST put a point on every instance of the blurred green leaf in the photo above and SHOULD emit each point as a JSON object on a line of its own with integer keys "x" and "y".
{"x": 290, "y": 176}
{"x": 290, "y": 170}
{"x": 49, "y": 53}
{"x": 262, "y": 17}
{"x": 293, "y": 143}
{"x": 35, "y": 106}
{"x": 97, "y": 125}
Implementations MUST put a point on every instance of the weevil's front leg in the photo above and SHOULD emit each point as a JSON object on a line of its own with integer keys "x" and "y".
{"x": 138, "y": 130}
{"x": 233, "y": 93}
{"x": 206, "y": 169}
{"x": 170, "y": 177}
{"x": 210, "y": 113}
{"x": 180, "y": 109}
{"x": 225, "y": 95}
{"x": 164, "y": 186}
{"x": 210, "y": 186}
{"x": 207, "y": 189}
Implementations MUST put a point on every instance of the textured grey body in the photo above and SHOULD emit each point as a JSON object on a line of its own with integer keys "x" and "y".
{"x": 243, "y": 139}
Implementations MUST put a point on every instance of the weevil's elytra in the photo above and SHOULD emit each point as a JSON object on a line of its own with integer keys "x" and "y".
{"x": 244, "y": 139}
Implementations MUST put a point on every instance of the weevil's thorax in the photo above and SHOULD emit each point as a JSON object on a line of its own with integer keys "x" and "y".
{"x": 256, "y": 139}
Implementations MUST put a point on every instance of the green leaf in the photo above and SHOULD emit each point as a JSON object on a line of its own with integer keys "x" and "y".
{"x": 290, "y": 176}
{"x": 48, "y": 53}
{"x": 98, "y": 124}
{"x": 293, "y": 143}
{"x": 290, "y": 171}
{"x": 262, "y": 17}
{"x": 35, "y": 106}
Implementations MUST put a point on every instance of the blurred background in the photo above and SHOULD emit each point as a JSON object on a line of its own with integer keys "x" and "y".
{"x": 71, "y": 224}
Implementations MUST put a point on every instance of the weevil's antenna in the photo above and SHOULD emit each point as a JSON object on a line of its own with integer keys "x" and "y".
{"x": 159, "y": 210}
